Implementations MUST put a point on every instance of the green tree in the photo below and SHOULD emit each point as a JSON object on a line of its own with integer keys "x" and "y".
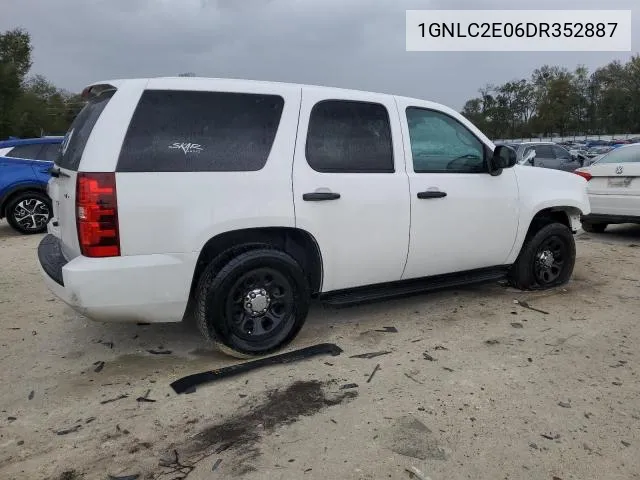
{"x": 15, "y": 62}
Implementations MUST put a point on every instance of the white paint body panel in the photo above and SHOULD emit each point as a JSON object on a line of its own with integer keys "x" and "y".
{"x": 378, "y": 231}
{"x": 446, "y": 233}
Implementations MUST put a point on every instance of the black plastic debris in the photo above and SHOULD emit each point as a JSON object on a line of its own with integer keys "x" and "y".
{"x": 69, "y": 430}
{"x": 426, "y": 356}
{"x": 183, "y": 384}
{"x": 31, "y": 394}
{"x": 373, "y": 373}
{"x": 160, "y": 352}
{"x": 387, "y": 330}
{"x": 440, "y": 347}
{"x": 120, "y": 397}
{"x": 349, "y": 385}
{"x": 145, "y": 398}
{"x": 99, "y": 366}
{"x": 370, "y": 354}
{"x": 524, "y": 304}
{"x": 216, "y": 465}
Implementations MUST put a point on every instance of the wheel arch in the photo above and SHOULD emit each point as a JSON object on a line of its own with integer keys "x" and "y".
{"x": 298, "y": 243}
{"x": 566, "y": 215}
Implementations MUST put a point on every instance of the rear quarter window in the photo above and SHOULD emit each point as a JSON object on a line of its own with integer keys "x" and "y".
{"x": 187, "y": 131}
{"x": 80, "y": 130}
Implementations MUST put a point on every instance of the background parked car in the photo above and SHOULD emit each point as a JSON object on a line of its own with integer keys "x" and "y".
{"x": 613, "y": 188}
{"x": 547, "y": 155}
{"x": 24, "y": 174}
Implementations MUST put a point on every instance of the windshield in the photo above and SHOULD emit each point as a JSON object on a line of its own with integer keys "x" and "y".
{"x": 621, "y": 155}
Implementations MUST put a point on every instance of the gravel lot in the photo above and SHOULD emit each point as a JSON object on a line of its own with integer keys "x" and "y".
{"x": 511, "y": 393}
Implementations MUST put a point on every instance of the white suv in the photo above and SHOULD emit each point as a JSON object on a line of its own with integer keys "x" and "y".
{"x": 240, "y": 201}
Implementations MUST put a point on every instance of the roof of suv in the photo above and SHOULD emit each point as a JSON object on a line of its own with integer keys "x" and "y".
{"x": 245, "y": 82}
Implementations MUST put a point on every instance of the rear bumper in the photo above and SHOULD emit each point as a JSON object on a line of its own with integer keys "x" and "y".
{"x": 137, "y": 288}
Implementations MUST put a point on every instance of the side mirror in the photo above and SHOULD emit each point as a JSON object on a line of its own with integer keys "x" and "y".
{"x": 503, "y": 157}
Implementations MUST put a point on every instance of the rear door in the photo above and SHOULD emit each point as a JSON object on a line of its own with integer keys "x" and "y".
{"x": 614, "y": 188}
{"x": 62, "y": 189}
{"x": 350, "y": 187}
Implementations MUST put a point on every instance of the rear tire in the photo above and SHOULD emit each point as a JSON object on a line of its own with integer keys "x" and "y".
{"x": 254, "y": 305}
{"x": 546, "y": 260}
{"x": 594, "y": 227}
{"x": 29, "y": 212}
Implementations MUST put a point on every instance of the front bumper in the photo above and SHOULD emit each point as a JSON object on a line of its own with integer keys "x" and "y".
{"x": 137, "y": 288}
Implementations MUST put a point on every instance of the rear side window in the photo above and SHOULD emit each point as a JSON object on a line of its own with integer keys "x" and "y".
{"x": 187, "y": 131}
{"x": 80, "y": 130}
{"x": 349, "y": 137}
{"x": 29, "y": 152}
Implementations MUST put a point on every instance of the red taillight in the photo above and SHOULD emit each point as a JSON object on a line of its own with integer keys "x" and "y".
{"x": 585, "y": 175}
{"x": 97, "y": 215}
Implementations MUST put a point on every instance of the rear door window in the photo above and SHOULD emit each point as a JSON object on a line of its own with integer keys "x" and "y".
{"x": 80, "y": 130}
{"x": 347, "y": 136}
{"x": 29, "y": 152}
{"x": 189, "y": 131}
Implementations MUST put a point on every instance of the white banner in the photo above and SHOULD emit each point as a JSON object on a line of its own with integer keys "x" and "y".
{"x": 518, "y": 30}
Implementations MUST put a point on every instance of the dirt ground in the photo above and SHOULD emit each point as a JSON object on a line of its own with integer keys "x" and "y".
{"x": 475, "y": 386}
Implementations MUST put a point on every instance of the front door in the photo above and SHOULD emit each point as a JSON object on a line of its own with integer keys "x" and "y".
{"x": 462, "y": 218}
{"x": 350, "y": 187}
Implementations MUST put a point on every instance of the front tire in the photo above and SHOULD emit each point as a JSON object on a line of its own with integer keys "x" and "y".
{"x": 546, "y": 260}
{"x": 254, "y": 305}
{"x": 594, "y": 227}
{"x": 29, "y": 212}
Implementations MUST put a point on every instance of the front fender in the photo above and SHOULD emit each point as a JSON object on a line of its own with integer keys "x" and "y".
{"x": 543, "y": 188}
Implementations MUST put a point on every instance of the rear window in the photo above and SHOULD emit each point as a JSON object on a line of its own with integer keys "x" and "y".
{"x": 29, "y": 152}
{"x": 187, "y": 131}
{"x": 80, "y": 130}
{"x": 622, "y": 155}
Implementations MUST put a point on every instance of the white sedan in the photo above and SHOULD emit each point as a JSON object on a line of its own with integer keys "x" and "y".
{"x": 613, "y": 188}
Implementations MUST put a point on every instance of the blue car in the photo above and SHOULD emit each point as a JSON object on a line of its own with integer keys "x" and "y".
{"x": 24, "y": 174}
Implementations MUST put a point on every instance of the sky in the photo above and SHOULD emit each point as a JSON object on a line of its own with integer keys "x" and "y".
{"x": 356, "y": 44}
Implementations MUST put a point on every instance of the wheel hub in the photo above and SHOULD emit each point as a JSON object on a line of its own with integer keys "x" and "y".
{"x": 546, "y": 258}
{"x": 257, "y": 301}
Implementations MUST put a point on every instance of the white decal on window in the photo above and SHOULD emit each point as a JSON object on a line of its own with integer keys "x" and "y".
{"x": 187, "y": 147}
{"x": 66, "y": 141}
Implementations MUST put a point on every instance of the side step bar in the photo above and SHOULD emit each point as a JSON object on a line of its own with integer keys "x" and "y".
{"x": 384, "y": 291}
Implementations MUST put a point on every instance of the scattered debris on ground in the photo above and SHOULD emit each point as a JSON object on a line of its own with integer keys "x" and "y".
{"x": 185, "y": 383}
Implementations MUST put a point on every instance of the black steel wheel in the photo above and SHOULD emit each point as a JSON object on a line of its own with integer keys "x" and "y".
{"x": 255, "y": 304}
{"x": 546, "y": 260}
{"x": 29, "y": 212}
{"x": 549, "y": 260}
